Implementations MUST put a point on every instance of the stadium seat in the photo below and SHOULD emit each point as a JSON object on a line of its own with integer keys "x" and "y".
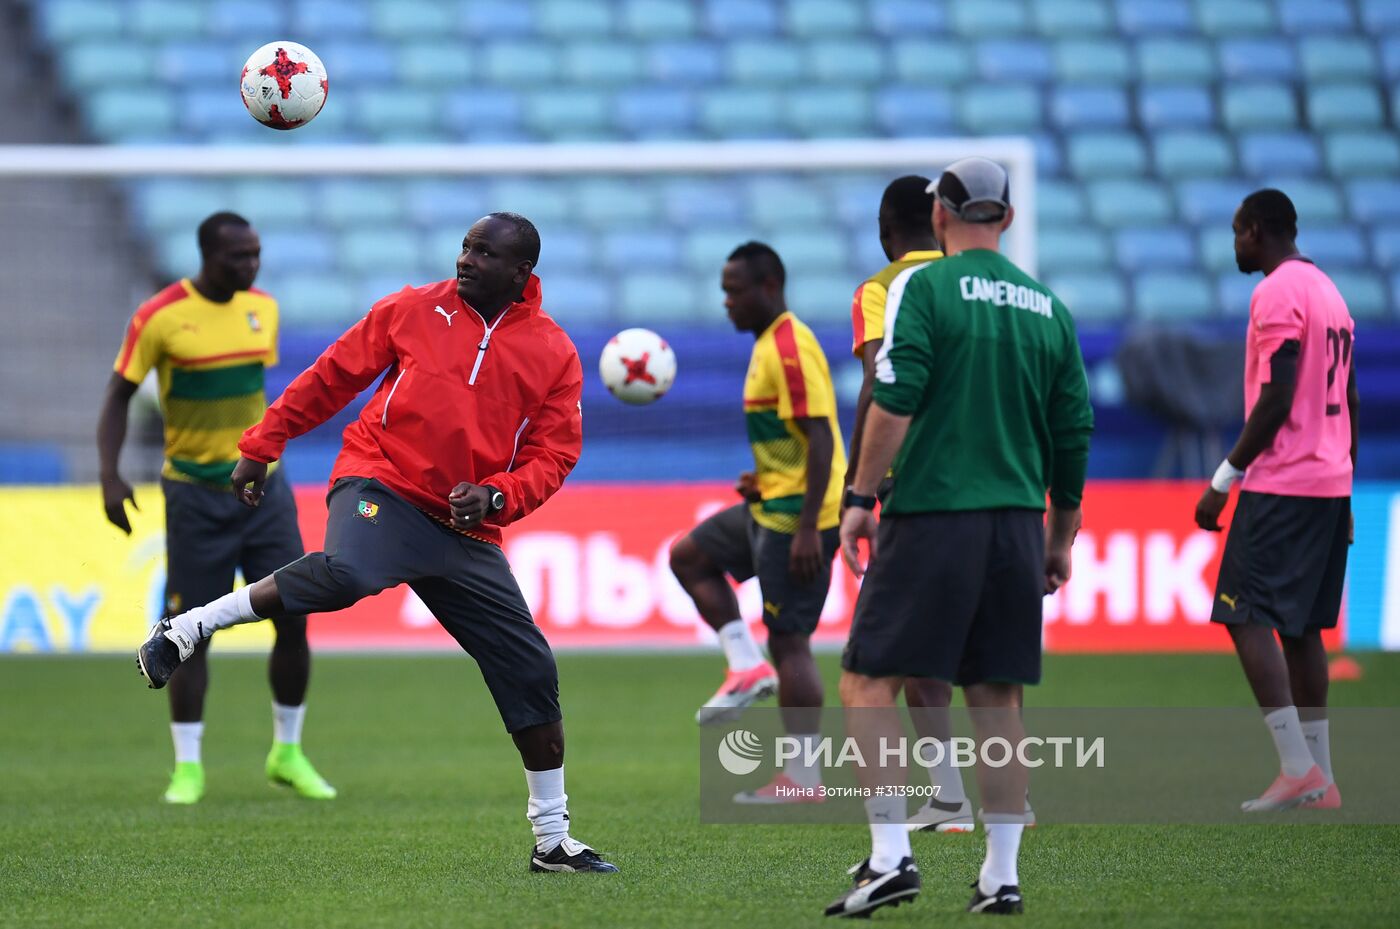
{"x": 572, "y": 19}
{"x": 578, "y": 299}
{"x": 239, "y": 21}
{"x": 696, "y": 62}
{"x": 705, "y": 250}
{"x": 204, "y": 112}
{"x": 434, "y": 64}
{"x": 829, "y": 112}
{"x": 348, "y": 202}
{"x": 821, "y": 299}
{"x": 544, "y": 202}
{"x": 817, "y": 18}
{"x": 568, "y": 248}
{"x": 178, "y": 253}
{"x": 567, "y": 113}
{"x": 1172, "y": 295}
{"x": 1385, "y": 247}
{"x": 1077, "y": 107}
{"x": 701, "y": 202}
{"x": 93, "y": 65}
{"x": 1025, "y": 59}
{"x": 1308, "y": 17}
{"x": 1175, "y": 106}
{"x": 1374, "y": 200}
{"x": 310, "y": 299}
{"x": 1233, "y": 291}
{"x": 1106, "y": 154}
{"x": 998, "y": 108}
{"x": 602, "y": 62}
{"x": 648, "y": 20}
{"x": 269, "y": 200}
{"x": 1096, "y": 61}
{"x": 411, "y": 19}
{"x": 853, "y": 61}
{"x": 455, "y": 202}
{"x": 1175, "y": 60}
{"x": 385, "y": 110}
{"x": 1128, "y": 202}
{"x": 1279, "y": 153}
{"x": 196, "y": 63}
{"x": 358, "y": 61}
{"x": 1380, "y": 16}
{"x": 1390, "y": 57}
{"x": 130, "y": 115}
{"x": 1071, "y": 17}
{"x": 1351, "y": 154}
{"x": 483, "y": 113}
{"x": 988, "y": 18}
{"x": 388, "y": 251}
{"x": 855, "y": 200}
{"x": 1331, "y": 58}
{"x": 496, "y": 19}
{"x": 1332, "y": 247}
{"x": 1259, "y": 106}
{"x": 651, "y": 298}
{"x": 1216, "y": 246}
{"x": 650, "y": 112}
{"x": 1235, "y": 17}
{"x": 64, "y": 21}
{"x": 1364, "y": 292}
{"x": 1149, "y": 17}
{"x": 165, "y": 19}
{"x": 733, "y": 112}
{"x": 741, "y": 18}
{"x": 904, "y": 110}
{"x": 1144, "y": 248}
{"x": 1072, "y": 248}
{"x": 1049, "y": 159}
{"x": 443, "y": 243}
{"x": 1315, "y": 198}
{"x": 1344, "y": 106}
{"x": 1091, "y": 296}
{"x": 1192, "y": 154}
{"x": 648, "y": 248}
{"x": 517, "y": 64}
{"x": 763, "y": 61}
{"x": 1211, "y": 202}
{"x": 895, "y": 19}
{"x": 605, "y": 203}
{"x": 775, "y": 203}
{"x": 1258, "y": 59}
{"x": 1059, "y": 203}
{"x": 931, "y": 61}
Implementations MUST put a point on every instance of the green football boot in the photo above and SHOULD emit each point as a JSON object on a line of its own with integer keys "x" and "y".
{"x": 186, "y": 783}
{"x": 286, "y": 765}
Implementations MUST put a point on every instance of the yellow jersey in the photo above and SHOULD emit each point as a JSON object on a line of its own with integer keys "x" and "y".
{"x": 868, "y": 305}
{"x": 788, "y": 379}
{"x": 209, "y": 358}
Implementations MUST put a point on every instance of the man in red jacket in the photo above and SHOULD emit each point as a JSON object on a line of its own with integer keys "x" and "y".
{"x": 475, "y": 424}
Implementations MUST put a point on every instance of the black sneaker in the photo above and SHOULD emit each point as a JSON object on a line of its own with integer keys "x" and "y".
{"x": 571, "y": 855}
{"x": 874, "y": 889}
{"x": 161, "y": 653}
{"x": 1004, "y": 902}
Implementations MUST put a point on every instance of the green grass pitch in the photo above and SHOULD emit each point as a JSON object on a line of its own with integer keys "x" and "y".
{"x": 430, "y": 828}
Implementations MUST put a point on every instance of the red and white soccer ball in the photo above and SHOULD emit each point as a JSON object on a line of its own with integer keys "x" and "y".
{"x": 284, "y": 85}
{"x": 637, "y": 366}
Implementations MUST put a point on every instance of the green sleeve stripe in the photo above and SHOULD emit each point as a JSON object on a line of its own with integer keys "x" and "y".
{"x": 217, "y": 384}
{"x": 790, "y": 504}
{"x": 211, "y": 472}
{"x": 765, "y": 426}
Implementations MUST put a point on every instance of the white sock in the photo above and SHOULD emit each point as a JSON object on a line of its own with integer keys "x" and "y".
{"x": 186, "y": 737}
{"x": 944, "y": 776}
{"x": 286, "y": 723}
{"x": 1287, "y": 730}
{"x": 889, "y": 837}
{"x": 1319, "y": 745}
{"x": 1003, "y": 846}
{"x": 549, "y": 807}
{"x": 231, "y": 609}
{"x": 739, "y": 646}
{"x": 803, "y": 773}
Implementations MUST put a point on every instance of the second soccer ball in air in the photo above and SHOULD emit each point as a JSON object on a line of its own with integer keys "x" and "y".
{"x": 637, "y": 366}
{"x": 284, "y": 85}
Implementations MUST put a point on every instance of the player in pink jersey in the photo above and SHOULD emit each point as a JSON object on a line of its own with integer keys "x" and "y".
{"x": 1285, "y": 559}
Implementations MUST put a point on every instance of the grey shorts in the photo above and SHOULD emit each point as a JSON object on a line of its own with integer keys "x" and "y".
{"x": 375, "y": 540}
{"x": 744, "y": 549}
{"x": 209, "y": 535}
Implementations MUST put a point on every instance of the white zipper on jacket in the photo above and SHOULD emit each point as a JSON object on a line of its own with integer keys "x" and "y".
{"x": 485, "y": 341}
{"x": 516, "y": 447}
{"x": 384, "y": 420}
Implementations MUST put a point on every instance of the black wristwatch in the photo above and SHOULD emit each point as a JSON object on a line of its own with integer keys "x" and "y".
{"x": 859, "y": 500}
{"x": 497, "y": 502}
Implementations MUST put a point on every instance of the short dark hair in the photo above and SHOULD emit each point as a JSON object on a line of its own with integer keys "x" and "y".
{"x": 527, "y": 237}
{"x": 763, "y": 262}
{"x": 1272, "y": 212}
{"x": 910, "y": 206}
{"x": 208, "y": 234}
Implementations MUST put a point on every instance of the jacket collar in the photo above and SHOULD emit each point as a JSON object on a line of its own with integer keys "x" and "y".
{"x": 527, "y": 305}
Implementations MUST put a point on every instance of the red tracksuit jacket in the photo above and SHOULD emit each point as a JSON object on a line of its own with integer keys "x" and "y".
{"x": 462, "y": 401}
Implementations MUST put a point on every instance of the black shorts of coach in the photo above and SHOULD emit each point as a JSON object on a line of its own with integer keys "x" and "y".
{"x": 1285, "y": 563}
{"x": 744, "y": 549}
{"x": 376, "y": 539}
{"x": 954, "y": 596}
{"x": 209, "y": 535}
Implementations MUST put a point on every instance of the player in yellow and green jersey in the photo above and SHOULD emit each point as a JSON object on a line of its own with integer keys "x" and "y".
{"x": 209, "y": 339}
{"x": 785, "y": 532}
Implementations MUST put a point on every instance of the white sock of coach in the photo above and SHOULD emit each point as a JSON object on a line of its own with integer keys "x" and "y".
{"x": 944, "y": 776}
{"x": 739, "y": 646}
{"x": 889, "y": 837}
{"x": 231, "y": 609}
{"x": 1287, "y": 730}
{"x": 549, "y": 808}
{"x": 1003, "y": 847}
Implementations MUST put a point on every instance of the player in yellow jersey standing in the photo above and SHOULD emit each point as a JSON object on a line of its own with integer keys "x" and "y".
{"x": 785, "y": 532}
{"x": 210, "y": 339}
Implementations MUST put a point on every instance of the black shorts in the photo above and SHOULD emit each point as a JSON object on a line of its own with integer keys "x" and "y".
{"x": 376, "y": 539}
{"x": 209, "y": 535}
{"x": 954, "y": 596}
{"x": 744, "y": 549}
{"x": 1285, "y": 563}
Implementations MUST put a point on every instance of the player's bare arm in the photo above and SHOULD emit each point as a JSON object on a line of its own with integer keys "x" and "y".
{"x": 111, "y": 434}
{"x": 1265, "y": 420}
{"x": 805, "y": 559}
{"x": 868, "y": 351}
{"x": 883, "y": 435}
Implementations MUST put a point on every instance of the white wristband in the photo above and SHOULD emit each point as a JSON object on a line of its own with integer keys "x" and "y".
{"x": 1225, "y": 475}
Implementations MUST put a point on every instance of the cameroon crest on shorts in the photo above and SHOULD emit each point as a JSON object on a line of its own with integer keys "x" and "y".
{"x": 368, "y": 510}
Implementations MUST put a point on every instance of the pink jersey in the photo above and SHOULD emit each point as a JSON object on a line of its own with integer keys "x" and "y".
{"x": 1311, "y": 455}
